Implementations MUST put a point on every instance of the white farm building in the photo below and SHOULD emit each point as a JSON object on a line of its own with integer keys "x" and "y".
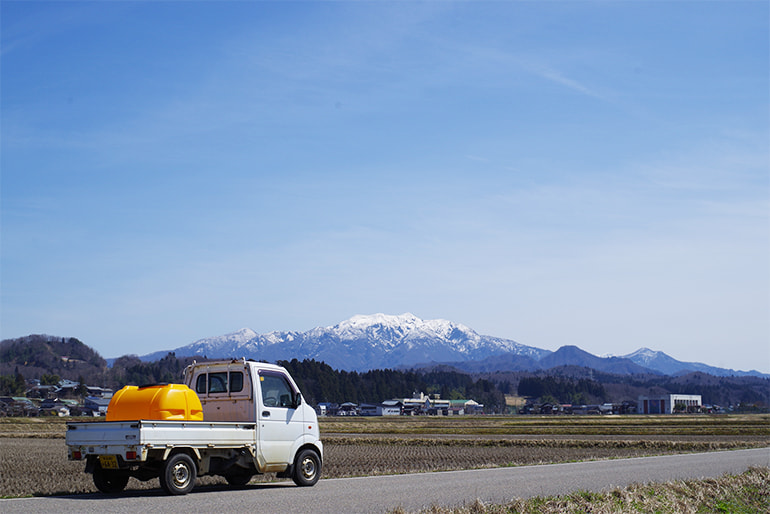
{"x": 669, "y": 403}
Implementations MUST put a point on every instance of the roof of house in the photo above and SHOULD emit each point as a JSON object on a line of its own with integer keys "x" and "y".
{"x": 98, "y": 401}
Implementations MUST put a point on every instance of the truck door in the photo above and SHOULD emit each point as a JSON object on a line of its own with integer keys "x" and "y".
{"x": 280, "y": 422}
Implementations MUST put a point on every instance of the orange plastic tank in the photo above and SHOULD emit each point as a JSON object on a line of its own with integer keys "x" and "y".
{"x": 157, "y": 402}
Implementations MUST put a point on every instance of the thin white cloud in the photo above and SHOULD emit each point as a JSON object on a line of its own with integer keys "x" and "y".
{"x": 544, "y": 71}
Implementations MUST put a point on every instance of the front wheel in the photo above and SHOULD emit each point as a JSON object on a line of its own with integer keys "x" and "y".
{"x": 109, "y": 481}
{"x": 307, "y": 468}
{"x": 178, "y": 474}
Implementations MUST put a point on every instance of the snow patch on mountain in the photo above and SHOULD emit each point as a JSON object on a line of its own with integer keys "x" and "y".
{"x": 644, "y": 355}
{"x": 243, "y": 335}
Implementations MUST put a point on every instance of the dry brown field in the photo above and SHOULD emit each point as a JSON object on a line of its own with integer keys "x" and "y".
{"x": 33, "y": 457}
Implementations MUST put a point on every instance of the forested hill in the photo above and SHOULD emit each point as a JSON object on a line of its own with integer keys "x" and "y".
{"x": 37, "y": 355}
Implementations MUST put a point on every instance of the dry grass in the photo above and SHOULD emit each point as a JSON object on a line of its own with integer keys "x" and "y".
{"x": 747, "y": 493}
{"x": 39, "y": 467}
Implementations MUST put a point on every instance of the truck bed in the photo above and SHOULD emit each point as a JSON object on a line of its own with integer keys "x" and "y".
{"x": 109, "y": 437}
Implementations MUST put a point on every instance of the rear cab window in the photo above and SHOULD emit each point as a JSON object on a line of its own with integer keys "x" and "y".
{"x": 219, "y": 382}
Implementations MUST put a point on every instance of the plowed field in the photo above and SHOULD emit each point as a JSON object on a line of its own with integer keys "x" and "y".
{"x": 33, "y": 457}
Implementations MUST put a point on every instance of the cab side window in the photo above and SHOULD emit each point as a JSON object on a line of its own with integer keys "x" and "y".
{"x": 236, "y": 381}
{"x": 200, "y": 386}
{"x": 276, "y": 391}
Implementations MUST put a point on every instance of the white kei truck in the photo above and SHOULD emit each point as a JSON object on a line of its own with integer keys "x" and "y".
{"x": 233, "y": 418}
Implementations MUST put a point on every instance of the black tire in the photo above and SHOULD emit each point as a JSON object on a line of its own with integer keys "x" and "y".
{"x": 307, "y": 468}
{"x": 238, "y": 479}
{"x": 178, "y": 474}
{"x": 109, "y": 481}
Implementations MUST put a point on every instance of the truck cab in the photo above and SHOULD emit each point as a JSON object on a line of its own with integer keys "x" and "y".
{"x": 262, "y": 393}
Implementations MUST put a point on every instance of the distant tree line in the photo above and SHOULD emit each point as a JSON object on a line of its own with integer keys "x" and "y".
{"x": 717, "y": 390}
{"x": 563, "y": 390}
{"x": 319, "y": 382}
{"x": 50, "y": 359}
{"x": 129, "y": 369}
{"x": 714, "y": 390}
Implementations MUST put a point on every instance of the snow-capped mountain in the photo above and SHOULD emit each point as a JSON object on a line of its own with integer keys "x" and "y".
{"x": 363, "y": 343}
{"x": 380, "y": 341}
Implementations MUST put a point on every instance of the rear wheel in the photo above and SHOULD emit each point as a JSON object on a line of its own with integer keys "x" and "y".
{"x": 178, "y": 474}
{"x": 307, "y": 468}
{"x": 109, "y": 481}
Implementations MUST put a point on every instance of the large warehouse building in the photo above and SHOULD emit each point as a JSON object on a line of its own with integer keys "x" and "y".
{"x": 669, "y": 403}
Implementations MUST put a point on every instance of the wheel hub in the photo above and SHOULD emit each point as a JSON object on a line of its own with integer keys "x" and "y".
{"x": 308, "y": 468}
{"x": 181, "y": 475}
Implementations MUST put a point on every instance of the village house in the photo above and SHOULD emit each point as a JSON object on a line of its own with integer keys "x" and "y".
{"x": 347, "y": 409}
{"x": 17, "y": 406}
{"x": 421, "y": 403}
{"x": 99, "y": 392}
{"x": 391, "y": 408}
{"x": 96, "y": 405}
{"x": 463, "y": 407}
{"x": 386, "y": 408}
{"x": 54, "y": 407}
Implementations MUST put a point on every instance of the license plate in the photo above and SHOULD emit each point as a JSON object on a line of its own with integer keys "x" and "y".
{"x": 108, "y": 461}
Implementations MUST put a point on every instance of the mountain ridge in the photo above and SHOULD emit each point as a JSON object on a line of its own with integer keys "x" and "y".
{"x": 361, "y": 343}
{"x": 382, "y": 341}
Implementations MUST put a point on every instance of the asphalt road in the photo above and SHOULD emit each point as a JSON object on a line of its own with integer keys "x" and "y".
{"x": 412, "y": 492}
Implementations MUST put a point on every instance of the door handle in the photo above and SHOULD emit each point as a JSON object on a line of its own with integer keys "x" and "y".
{"x": 265, "y": 414}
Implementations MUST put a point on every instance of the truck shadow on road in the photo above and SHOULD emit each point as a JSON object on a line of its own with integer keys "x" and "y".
{"x": 159, "y": 493}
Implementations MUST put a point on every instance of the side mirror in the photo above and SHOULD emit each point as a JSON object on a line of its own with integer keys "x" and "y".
{"x": 298, "y": 400}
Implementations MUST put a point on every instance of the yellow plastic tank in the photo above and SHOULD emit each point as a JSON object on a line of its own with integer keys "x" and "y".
{"x": 156, "y": 402}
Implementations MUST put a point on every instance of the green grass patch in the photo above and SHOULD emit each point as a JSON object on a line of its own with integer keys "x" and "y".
{"x": 747, "y": 493}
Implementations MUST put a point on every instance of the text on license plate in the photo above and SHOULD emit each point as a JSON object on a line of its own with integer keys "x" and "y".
{"x": 108, "y": 461}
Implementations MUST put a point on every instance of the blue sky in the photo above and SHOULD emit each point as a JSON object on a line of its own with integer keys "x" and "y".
{"x": 588, "y": 173}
